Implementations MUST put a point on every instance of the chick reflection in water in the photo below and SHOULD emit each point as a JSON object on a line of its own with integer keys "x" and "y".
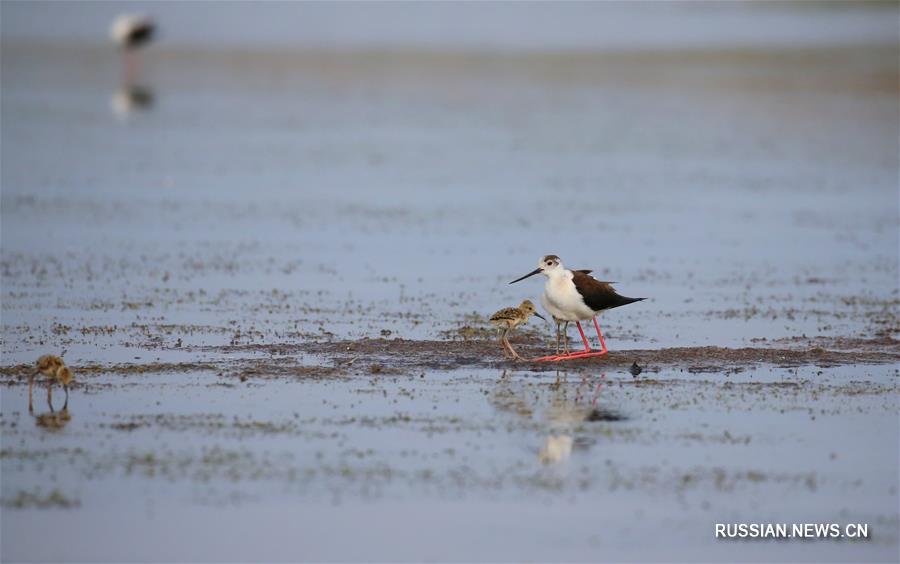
{"x": 53, "y": 420}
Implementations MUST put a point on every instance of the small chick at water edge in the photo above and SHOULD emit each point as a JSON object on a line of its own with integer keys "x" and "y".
{"x": 507, "y": 319}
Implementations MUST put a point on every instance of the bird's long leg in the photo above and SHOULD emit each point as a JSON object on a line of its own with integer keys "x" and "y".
{"x": 50, "y": 395}
{"x": 30, "y": 385}
{"x": 126, "y": 70}
{"x": 511, "y": 349}
{"x": 512, "y": 352}
{"x": 566, "y": 338}
{"x": 502, "y": 333}
{"x": 66, "y": 404}
{"x": 557, "y": 336}
{"x": 600, "y": 335}
{"x": 587, "y": 345}
{"x": 130, "y": 67}
{"x": 136, "y": 68}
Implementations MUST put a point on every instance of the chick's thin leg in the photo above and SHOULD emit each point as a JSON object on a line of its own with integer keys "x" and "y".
{"x": 557, "y": 336}
{"x": 503, "y": 333}
{"x": 511, "y": 349}
{"x": 30, "y": 385}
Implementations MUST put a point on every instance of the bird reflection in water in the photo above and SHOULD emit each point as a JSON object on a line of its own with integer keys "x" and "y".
{"x": 563, "y": 407}
{"x": 131, "y": 99}
{"x": 564, "y": 412}
{"x": 566, "y": 418}
{"x": 556, "y": 449}
{"x": 590, "y": 382}
{"x": 53, "y": 420}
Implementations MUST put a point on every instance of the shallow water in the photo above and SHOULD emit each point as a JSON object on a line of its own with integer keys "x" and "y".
{"x": 291, "y": 196}
{"x": 299, "y": 460}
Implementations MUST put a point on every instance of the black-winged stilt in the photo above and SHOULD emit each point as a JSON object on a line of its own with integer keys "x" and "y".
{"x": 574, "y": 295}
{"x": 130, "y": 32}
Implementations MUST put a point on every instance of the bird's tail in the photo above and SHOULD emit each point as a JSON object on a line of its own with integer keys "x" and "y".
{"x": 624, "y": 300}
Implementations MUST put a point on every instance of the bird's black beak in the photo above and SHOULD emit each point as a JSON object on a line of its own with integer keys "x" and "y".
{"x": 532, "y": 273}
{"x": 541, "y": 316}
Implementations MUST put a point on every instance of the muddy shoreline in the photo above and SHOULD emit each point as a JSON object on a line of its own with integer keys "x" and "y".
{"x": 401, "y": 356}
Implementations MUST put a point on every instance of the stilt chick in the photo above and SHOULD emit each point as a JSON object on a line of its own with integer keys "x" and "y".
{"x": 64, "y": 377}
{"x": 508, "y": 319}
{"x": 46, "y": 365}
{"x": 54, "y": 368}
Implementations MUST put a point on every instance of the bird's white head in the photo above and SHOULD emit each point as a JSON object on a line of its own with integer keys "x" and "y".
{"x": 548, "y": 266}
{"x": 550, "y": 263}
{"x": 129, "y": 30}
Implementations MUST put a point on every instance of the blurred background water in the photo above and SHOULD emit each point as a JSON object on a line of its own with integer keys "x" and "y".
{"x": 531, "y": 26}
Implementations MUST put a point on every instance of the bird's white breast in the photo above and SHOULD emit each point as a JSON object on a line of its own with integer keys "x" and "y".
{"x": 562, "y": 299}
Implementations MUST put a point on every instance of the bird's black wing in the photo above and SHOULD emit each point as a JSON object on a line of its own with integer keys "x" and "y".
{"x": 599, "y": 295}
{"x": 587, "y": 271}
{"x": 142, "y": 33}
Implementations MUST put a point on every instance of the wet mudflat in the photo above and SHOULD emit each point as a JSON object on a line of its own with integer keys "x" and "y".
{"x": 518, "y": 464}
{"x": 274, "y": 196}
{"x": 272, "y": 279}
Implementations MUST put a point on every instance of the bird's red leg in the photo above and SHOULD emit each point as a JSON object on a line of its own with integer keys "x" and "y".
{"x": 130, "y": 68}
{"x": 586, "y": 353}
{"x": 587, "y": 346}
{"x": 600, "y": 336}
{"x": 136, "y": 70}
